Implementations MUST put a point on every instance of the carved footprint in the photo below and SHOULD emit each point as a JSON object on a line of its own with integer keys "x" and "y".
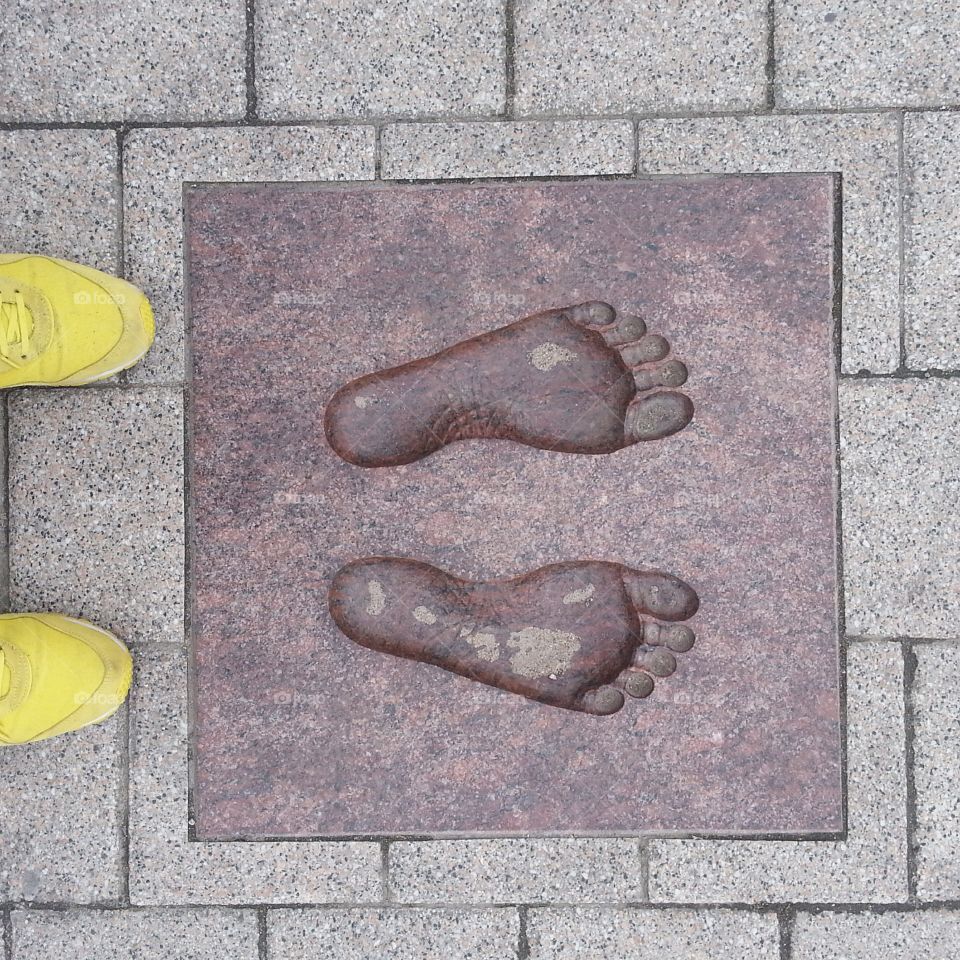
{"x": 579, "y": 379}
{"x": 574, "y": 635}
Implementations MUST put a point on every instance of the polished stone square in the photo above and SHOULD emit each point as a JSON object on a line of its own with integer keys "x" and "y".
{"x": 296, "y": 291}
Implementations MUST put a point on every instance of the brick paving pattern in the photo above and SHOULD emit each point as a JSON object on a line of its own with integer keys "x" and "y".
{"x": 107, "y": 108}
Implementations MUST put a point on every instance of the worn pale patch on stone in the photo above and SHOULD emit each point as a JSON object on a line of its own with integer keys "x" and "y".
{"x": 424, "y": 615}
{"x": 548, "y": 355}
{"x": 583, "y": 595}
{"x": 542, "y": 652}
{"x": 486, "y": 644}
{"x": 364, "y": 402}
{"x": 378, "y": 599}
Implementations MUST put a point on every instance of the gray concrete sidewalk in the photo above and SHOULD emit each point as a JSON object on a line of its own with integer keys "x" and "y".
{"x": 107, "y": 107}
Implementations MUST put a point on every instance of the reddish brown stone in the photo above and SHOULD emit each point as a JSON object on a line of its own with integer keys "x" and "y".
{"x": 295, "y": 292}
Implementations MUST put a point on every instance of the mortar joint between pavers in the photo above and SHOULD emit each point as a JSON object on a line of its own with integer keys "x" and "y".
{"x": 644, "y": 846}
{"x": 901, "y": 239}
{"x": 909, "y": 734}
{"x": 523, "y": 942}
{"x": 770, "y": 67}
{"x": 121, "y": 244}
{"x": 249, "y": 63}
{"x": 262, "y": 949}
{"x": 439, "y": 118}
{"x": 378, "y": 152}
{"x": 785, "y": 908}
{"x": 123, "y": 801}
{"x": 786, "y": 917}
{"x": 903, "y": 638}
{"x": 386, "y": 892}
{"x": 931, "y": 373}
{"x": 509, "y": 60}
{"x": 6, "y": 927}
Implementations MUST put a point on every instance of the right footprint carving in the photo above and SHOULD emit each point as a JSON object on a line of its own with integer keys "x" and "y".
{"x": 577, "y": 635}
{"x": 579, "y": 379}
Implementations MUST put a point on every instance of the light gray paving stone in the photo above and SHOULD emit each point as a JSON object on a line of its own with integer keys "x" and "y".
{"x": 900, "y": 449}
{"x": 60, "y": 194}
{"x": 168, "y": 868}
{"x": 917, "y": 935}
{"x": 932, "y": 240}
{"x": 574, "y": 57}
{"x": 61, "y": 817}
{"x": 143, "y": 934}
{"x": 156, "y": 165}
{"x": 547, "y": 148}
{"x": 96, "y": 507}
{"x": 868, "y": 867}
{"x": 114, "y": 60}
{"x": 361, "y": 58}
{"x": 392, "y": 934}
{"x": 627, "y": 934}
{"x": 864, "y": 149}
{"x": 516, "y": 871}
{"x": 867, "y": 53}
{"x": 936, "y": 693}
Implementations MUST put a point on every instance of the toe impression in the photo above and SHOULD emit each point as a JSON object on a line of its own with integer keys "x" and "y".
{"x": 661, "y": 595}
{"x": 603, "y": 701}
{"x": 670, "y": 374}
{"x": 646, "y": 350}
{"x": 592, "y": 313}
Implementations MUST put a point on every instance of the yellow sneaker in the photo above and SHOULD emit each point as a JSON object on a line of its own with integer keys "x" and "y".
{"x": 57, "y": 674}
{"x": 64, "y": 324}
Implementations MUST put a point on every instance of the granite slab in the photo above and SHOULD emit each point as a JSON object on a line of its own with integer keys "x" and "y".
{"x": 296, "y": 290}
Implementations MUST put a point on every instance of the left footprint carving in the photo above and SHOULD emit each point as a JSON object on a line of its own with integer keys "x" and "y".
{"x": 579, "y": 379}
{"x": 576, "y": 635}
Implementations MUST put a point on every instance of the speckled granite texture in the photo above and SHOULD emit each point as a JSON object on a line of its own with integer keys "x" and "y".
{"x": 295, "y": 291}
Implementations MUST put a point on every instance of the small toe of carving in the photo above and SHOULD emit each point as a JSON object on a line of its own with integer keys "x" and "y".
{"x": 603, "y": 701}
{"x": 638, "y": 684}
{"x": 673, "y": 373}
{"x": 678, "y": 637}
{"x": 659, "y": 662}
{"x": 627, "y": 329}
{"x": 646, "y": 350}
{"x": 593, "y": 313}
